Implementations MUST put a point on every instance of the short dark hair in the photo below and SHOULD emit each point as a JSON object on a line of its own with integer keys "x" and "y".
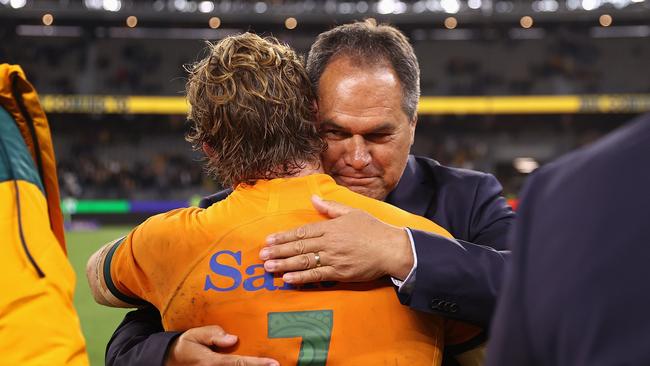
{"x": 369, "y": 44}
{"x": 252, "y": 103}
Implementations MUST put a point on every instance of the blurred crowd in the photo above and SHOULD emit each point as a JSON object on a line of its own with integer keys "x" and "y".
{"x": 134, "y": 160}
{"x": 566, "y": 68}
{"x": 144, "y": 157}
{"x": 164, "y": 177}
{"x": 560, "y": 63}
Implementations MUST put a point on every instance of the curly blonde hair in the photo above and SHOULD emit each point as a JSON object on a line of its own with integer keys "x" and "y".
{"x": 252, "y": 103}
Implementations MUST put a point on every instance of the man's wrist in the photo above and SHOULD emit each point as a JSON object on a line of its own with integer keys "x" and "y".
{"x": 401, "y": 259}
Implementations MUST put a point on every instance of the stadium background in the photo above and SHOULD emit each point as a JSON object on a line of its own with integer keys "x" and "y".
{"x": 507, "y": 86}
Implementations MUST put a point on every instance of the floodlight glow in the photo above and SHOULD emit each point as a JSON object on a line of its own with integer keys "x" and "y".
{"x": 225, "y": 6}
{"x": 450, "y": 6}
{"x": 260, "y": 7}
{"x": 619, "y": 4}
{"x": 573, "y": 4}
{"x": 504, "y": 7}
{"x": 17, "y": 4}
{"x": 362, "y": 7}
{"x": 206, "y": 6}
{"x": 93, "y": 4}
{"x": 291, "y": 23}
{"x": 605, "y": 20}
{"x": 419, "y": 7}
{"x": 112, "y": 5}
{"x": 433, "y": 5}
{"x": 591, "y": 4}
{"x": 474, "y": 4}
{"x": 345, "y": 8}
{"x": 214, "y": 22}
{"x": 386, "y": 6}
{"x": 132, "y": 21}
{"x": 451, "y": 23}
{"x": 546, "y": 5}
{"x": 400, "y": 8}
{"x": 158, "y": 5}
{"x": 180, "y": 4}
{"x": 47, "y": 19}
{"x": 525, "y": 165}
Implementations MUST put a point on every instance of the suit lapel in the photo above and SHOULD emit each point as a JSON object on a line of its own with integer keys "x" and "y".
{"x": 415, "y": 190}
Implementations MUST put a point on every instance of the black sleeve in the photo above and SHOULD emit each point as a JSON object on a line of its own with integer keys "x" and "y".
{"x": 456, "y": 279}
{"x": 461, "y": 279}
{"x": 140, "y": 340}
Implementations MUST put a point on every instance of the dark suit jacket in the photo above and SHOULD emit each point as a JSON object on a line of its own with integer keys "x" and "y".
{"x": 576, "y": 293}
{"x": 454, "y": 278}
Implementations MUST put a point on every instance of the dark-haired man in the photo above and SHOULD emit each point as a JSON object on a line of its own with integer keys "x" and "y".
{"x": 251, "y": 112}
{"x": 367, "y": 81}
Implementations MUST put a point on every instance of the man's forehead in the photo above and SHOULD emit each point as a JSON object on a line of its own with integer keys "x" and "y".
{"x": 377, "y": 81}
{"x": 359, "y": 61}
{"x": 360, "y": 99}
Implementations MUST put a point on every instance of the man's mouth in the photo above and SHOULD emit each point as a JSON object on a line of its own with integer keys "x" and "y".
{"x": 347, "y": 180}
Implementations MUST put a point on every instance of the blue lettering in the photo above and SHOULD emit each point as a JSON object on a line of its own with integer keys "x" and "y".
{"x": 267, "y": 279}
{"x": 226, "y": 266}
{"x": 287, "y": 286}
{"x": 224, "y": 270}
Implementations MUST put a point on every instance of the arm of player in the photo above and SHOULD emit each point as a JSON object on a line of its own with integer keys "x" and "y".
{"x": 98, "y": 273}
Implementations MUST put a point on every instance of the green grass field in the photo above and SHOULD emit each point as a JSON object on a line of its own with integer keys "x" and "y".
{"x": 98, "y": 322}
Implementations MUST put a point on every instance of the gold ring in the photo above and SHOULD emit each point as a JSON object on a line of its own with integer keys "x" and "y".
{"x": 317, "y": 259}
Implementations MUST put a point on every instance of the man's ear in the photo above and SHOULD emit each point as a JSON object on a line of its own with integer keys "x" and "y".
{"x": 412, "y": 124}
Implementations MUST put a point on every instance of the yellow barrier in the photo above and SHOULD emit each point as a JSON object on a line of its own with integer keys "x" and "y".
{"x": 107, "y": 104}
{"x": 538, "y": 104}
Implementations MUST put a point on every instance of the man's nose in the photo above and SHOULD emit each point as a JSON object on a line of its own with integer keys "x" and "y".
{"x": 358, "y": 156}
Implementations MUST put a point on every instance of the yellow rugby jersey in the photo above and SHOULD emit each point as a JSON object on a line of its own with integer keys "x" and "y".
{"x": 201, "y": 267}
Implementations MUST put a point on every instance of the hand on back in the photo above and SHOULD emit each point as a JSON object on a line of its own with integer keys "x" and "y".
{"x": 199, "y": 347}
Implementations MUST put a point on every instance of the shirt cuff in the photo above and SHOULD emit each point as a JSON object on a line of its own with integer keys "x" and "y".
{"x": 406, "y": 286}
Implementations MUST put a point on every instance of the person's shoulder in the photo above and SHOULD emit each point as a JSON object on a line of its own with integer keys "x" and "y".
{"x": 451, "y": 180}
{"x": 386, "y": 212}
{"x": 172, "y": 224}
{"x": 176, "y": 216}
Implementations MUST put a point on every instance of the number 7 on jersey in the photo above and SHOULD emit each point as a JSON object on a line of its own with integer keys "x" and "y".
{"x": 315, "y": 328}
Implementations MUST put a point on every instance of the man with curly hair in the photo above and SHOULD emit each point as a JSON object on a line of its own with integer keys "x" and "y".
{"x": 252, "y": 113}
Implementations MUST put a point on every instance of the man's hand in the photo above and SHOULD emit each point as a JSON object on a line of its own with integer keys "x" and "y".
{"x": 352, "y": 247}
{"x": 196, "y": 347}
